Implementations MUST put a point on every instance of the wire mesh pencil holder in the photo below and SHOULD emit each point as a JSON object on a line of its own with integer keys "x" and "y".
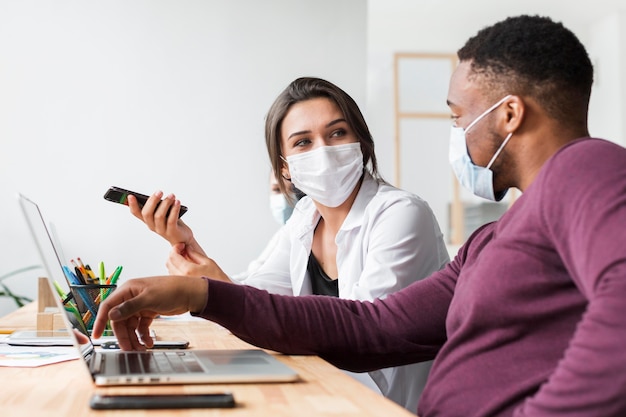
{"x": 87, "y": 299}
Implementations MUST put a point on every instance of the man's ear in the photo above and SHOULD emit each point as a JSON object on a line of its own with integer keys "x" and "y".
{"x": 515, "y": 109}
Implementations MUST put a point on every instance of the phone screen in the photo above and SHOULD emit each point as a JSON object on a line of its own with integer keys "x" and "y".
{"x": 120, "y": 196}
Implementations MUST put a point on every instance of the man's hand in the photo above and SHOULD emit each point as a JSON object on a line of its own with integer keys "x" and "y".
{"x": 132, "y": 307}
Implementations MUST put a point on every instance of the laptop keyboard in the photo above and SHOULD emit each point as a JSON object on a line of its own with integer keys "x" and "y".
{"x": 158, "y": 361}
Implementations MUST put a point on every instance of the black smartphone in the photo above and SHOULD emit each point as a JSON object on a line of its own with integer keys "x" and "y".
{"x": 164, "y": 401}
{"x": 120, "y": 195}
{"x": 158, "y": 344}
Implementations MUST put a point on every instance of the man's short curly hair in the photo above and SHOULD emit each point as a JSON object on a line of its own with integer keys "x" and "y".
{"x": 536, "y": 57}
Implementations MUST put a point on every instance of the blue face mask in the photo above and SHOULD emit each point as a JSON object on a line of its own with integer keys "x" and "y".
{"x": 280, "y": 208}
{"x": 477, "y": 179}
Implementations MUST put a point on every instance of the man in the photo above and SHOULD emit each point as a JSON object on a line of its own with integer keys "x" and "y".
{"x": 529, "y": 317}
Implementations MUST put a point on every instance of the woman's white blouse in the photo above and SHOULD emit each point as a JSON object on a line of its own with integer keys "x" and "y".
{"x": 389, "y": 239}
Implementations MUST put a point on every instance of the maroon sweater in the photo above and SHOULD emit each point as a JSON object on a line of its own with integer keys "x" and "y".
{"x": 528, "y": 320}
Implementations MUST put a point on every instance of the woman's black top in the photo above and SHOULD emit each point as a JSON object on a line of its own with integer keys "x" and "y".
{"x": 321, "y": 283}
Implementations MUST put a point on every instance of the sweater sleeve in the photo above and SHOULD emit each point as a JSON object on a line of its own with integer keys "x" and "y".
{"x": 585, "y": 218}
{"x": 406, "y": 327}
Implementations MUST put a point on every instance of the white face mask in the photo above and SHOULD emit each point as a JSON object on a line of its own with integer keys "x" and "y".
{"x": 280, "y": 208}
{"x": 477, "y": 179}
{"x": 327, "y": 174}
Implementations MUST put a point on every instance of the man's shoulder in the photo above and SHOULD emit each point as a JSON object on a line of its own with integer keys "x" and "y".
{"x": 589, "y": 148}
{"x": 583, "y": 175}
{"x": 582, "y": 160}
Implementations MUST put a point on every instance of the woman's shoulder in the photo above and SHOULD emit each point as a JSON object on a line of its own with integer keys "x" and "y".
{"x": 305, "y": 204}
{"x": 303, "y": 212}
{"x": 389, "y": 194}
{"x": 392, "y": 202}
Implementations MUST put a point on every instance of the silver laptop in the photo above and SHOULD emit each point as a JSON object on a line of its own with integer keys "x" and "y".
{"x": 49, "y": 250}
{"x": 156, "y": 367}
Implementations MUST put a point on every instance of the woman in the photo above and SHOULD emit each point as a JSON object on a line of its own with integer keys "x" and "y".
{"x": 352, "y": 236}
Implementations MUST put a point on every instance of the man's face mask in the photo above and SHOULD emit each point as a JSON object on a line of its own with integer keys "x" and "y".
{"x": 477, "y": 179}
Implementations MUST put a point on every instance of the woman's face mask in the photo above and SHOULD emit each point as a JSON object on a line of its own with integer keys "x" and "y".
{"x": 327, "y": 174}
{"x": 477, "y": 179}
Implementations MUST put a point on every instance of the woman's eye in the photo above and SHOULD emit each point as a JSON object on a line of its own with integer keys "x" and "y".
{"x": 301, "y": 142}
{"x": 338, "y": 133}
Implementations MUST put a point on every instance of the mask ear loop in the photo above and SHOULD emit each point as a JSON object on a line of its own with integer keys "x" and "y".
{"x": 499, "y": 150}
{"x": 285, "y": 161}
{"x": 486, "y": 112}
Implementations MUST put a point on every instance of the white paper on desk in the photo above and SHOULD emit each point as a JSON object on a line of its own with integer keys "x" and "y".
{"x": 53, "y": 338}
{"x": 32, "y": 356}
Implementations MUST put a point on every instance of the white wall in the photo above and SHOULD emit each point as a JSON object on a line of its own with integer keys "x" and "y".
{"x": 173, "y": 94}
{"x": 153, "y": 95}
{"x": 443, "y": 26}
{"x": 608, "y": 101}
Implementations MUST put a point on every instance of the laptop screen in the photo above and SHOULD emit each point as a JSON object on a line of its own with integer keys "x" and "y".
{"x": 52, "y": 264}
{"x": 43, "y": 240}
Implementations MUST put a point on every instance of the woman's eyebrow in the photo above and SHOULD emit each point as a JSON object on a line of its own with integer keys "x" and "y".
{"x": 302, "y": 132}
{"x": 334, "y": 122}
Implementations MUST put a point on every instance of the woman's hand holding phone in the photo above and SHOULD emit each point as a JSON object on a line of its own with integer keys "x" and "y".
{"x": 162, "y": 217}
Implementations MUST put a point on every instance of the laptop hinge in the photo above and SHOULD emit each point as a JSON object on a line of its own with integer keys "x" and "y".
{"x": 95, "y": 362}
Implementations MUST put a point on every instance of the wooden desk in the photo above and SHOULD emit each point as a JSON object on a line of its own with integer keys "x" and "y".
{"x": 64, "y": 389}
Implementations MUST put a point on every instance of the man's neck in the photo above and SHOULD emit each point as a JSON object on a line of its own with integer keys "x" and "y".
{"x": 542, "y": 148}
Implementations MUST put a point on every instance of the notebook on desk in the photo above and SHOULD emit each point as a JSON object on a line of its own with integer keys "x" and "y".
{"x": 155, "y": 367}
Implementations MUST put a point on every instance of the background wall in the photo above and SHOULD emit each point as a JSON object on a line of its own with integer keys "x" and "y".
{"x": 151, "y": 95}
{"x": 607, "y": 40}
{"x": 171, "y": 95}
{"x": 443, "y": 26}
